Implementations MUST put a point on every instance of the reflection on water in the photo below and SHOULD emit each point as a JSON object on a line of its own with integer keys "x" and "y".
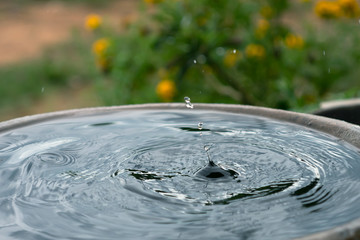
{"x": 145, "y": 174}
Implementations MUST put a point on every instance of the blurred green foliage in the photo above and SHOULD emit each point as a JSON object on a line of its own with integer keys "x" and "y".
{"x": 273, "y": 53}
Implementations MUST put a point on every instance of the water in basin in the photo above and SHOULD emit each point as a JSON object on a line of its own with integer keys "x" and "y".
{"x": 146, "y": 174}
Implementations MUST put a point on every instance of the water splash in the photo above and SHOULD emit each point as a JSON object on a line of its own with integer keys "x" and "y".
{"x": 188, "y": 103}
{"x": 207, "y": 148}
{"x": 215, "y": 172}
{"x": 200, "y": 126}
{"x": 212, "y": 171}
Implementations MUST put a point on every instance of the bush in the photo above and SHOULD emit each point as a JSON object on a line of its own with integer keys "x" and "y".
{"x": 235, "y": 51}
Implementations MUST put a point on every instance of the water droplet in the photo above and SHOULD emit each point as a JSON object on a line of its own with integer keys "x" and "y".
{"x": 329, "y": 70}
{"x": 42, "y": 89}
{"x": 195, "y": 61}
{"x": 234, "y": 51}
{"x": 200, "y": 126}
{"x": 188, "y": 103}
{"x": 207, "y": 148}
{"x": 324, "y": 53}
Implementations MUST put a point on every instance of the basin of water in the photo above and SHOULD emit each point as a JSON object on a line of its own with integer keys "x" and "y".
{"x": 158, "y": 174}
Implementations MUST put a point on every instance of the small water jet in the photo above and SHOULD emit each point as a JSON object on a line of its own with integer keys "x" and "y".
{"x": 211, "y": 171}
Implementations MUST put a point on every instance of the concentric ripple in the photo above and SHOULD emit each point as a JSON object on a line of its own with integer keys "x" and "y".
{"x": 56, "y": 158}
{"x": 141, "y": 174}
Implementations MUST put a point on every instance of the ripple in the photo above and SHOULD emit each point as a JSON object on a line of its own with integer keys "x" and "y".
{"x": 56, "y": 158}
{"x": 245, "y": 180}
{"x": 82, "y": 144}
{"x": 191, "y": 129}
{"x": 33, "y": 148}
{"x": 11, "y": 142}
{"x": 258, "y": 192}
{"x": 144, "y": 175}
{"x": 102, "y": 124}
{"x": 305, "y": 189}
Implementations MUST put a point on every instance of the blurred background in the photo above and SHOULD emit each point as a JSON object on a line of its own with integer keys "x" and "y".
{"x": 64, "y": 54}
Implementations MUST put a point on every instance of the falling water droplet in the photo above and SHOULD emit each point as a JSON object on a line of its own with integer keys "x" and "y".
{"x": 195, "y": 61}
{"x": 329, "y": 70}
{"x": 324, "y": 53}
{"x": 234, "y": 51}
{"x": 207, "y": 148}
{"x": 188, "y": 103}
{"x": 42, "y": 89}
{"x": 200, "y": 126}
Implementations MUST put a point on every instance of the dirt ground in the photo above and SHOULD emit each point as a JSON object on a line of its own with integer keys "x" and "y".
{"x": 28, "y": 29}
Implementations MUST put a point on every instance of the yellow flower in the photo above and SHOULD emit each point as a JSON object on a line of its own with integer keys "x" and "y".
{"x": 327, "y": 9}
{"x": 166, "y": 89}
{"x": 231, "y": 57}
{"x": 349, "y": 8}
{"x": 262, "y": 27}
{"x": 100, "y": 46}
{"x": 255, "y": 51}
{"x": 93, "y": 21}
{"x": 294, "y": 41}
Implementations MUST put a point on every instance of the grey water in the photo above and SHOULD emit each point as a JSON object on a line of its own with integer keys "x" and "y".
{"x": 136, "y": 174}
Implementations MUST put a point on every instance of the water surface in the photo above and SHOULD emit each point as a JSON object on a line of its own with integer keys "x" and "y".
{"x": 137, "y": 174}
